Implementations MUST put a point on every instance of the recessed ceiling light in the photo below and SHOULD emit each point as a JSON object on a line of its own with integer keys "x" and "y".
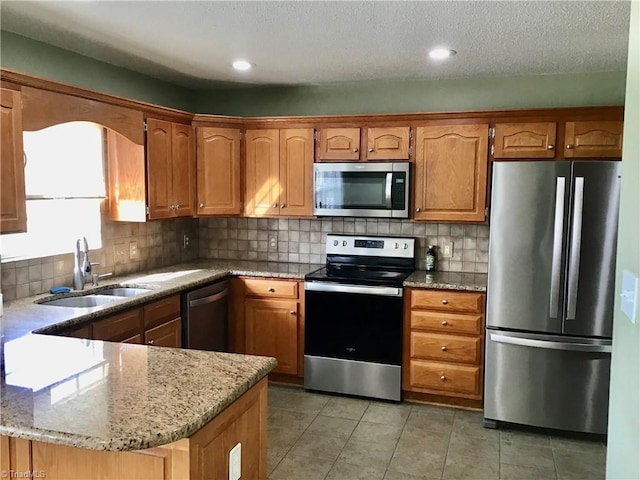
{"x": 242, "y": 65}
{"x": 441, "y": 53}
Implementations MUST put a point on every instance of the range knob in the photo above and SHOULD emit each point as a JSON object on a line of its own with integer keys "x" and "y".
{"x": 344, "y": 243}
{"x": 335, "y": 243}
{"x": 396, "y": 245}
{"x": 406, "y": 246}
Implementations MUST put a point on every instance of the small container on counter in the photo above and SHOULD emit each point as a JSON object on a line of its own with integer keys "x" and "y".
{"x": 430, "y": 259}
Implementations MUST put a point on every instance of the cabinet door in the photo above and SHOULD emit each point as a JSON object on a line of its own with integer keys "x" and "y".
{"x": 116, "y": 328}
{"x": 525, "y": 140}
{"x": 296, "y": 172}
{"x": 593, "y": 140}
{"x": 166, "y": 335}
{"x": 183, "y": 170}
{"x": 218, "y": 171}
{"x": 272, "y": 330}
{"x": 13, "y": 207}
{"x": 339, "y": 144}
{"x": 388, "y": 143}
{"x": 451, "y": 173}
{"x": 159, "y": 168}
{"x": 262, "y": 190}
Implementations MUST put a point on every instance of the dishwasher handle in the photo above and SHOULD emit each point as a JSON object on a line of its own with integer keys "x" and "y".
{"x": 209, "y": 299}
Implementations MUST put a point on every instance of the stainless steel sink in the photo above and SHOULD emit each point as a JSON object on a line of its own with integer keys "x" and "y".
{"x": 85, "y": 301}
{"x": 124, "y": 291}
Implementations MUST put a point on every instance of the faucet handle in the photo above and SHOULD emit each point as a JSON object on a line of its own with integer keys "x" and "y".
{"x": 95, "y": 277}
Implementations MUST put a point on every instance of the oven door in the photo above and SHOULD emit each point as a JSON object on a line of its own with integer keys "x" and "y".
{"x": 353, "y": 339}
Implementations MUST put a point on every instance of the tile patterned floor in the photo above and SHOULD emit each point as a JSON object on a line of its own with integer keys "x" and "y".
{"x": 316, "y": 436}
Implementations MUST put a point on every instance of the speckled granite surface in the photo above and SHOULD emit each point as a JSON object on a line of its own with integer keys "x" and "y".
{"x": 112, "y": 396}
{"x": 474, "y": 282}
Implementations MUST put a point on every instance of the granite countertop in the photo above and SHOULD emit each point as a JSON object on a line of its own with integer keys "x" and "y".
{"x": 473, "y": 282}
{"x": 116, "y": 396}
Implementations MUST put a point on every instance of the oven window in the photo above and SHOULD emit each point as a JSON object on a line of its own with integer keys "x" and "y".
{"x": 351, "y": 190}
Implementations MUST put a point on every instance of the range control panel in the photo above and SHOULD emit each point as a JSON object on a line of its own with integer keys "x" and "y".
{"x": 400, "y": 247}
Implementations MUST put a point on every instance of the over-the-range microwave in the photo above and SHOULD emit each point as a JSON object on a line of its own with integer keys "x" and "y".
{"x": 362, "y": 189}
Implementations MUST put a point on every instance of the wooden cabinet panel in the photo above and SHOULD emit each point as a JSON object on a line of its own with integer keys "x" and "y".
{"x": 447, "y": 300}
{"x": 218, "y": 171}
{"x": 451, "y": 173}
{"x": 272, "y": 330}
{"x": 159, "y": 168}
{"x": 13, "y": 206}
{"x": 525, "y": 140}
{"x": 137, "y": 339}
{"x": 166, "y": 335}
{"x": 593, "y": 140}
{"x": 296, "y": 172}
{"x": 161, "y": 311}
{"x": 79, "y": 332}
{"x": 447, "y": 322}
{"x": 183, "y": 169}
{"x": 127, "y": 184}
{"x": 388, "y": 143}
{"x": 262, "y": 189}
{"x": 446, "y": 348}
{"x": 446, "y": 377}
{"x": 339, "y": 144}
{"x": 268, "y": 288}
{"x": 118, "y": 327}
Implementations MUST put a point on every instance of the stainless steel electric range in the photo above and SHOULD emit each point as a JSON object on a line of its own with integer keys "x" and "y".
{"x": 353, "y": 316}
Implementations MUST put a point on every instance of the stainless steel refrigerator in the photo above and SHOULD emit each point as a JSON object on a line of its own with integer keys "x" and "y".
{"x": 552, "y": 248}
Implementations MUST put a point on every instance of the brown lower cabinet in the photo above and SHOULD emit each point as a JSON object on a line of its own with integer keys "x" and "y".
{"x": 443, "y": 345}
{"x": 202, "y": 456}
{"x": 156, "y": 323}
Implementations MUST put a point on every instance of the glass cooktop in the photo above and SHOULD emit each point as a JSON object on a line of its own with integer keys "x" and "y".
{"x": 358, "y": 276}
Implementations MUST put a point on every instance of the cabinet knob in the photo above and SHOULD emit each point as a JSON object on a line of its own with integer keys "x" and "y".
{"x": 150, "y": 342}
{"x": 177, "y": 206}
{"x": 443, "y": 378}
{"x": 282, "y": 206}
{"x": 569, "y": 147}
{"x": 201, "y": 205}
{"x": 445, "y": 301}
{"x": 550, "y": 147}
{"x": 445, "y": 323}
{"x": 292, "y": 312}
{"x": 275, "y": 205}
{"x": 370, "y": 149}
{"x": 271, "y": 289}
{"x": 417, "y": 209}
{"x": 443, "y": 348}
{"x": 355, "y": 150}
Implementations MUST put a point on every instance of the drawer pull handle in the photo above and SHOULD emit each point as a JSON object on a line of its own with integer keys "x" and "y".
{"x": 151, "y": 342}
{"x": 443, "y": 348}
{"x": 445, "y": 323}
{"x": 443, "y": 378}
{"x": 292, "y": 312}
{"x": 445, "y": 301}
{"x": 271, "y": 290}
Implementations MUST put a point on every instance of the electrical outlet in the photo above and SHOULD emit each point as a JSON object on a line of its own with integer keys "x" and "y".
{"x": 133, "y": 250}
{"x": 185, "y": 241}
{"x": 235, "y": 462}
{"x": 119, "y": 254}
{"x": 273, "y": 242}
{"x": 447, "y": 250}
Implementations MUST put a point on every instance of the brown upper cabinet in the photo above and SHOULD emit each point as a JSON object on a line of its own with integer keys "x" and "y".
{"x": 218, "y": 171}
{"x": 279, "y": 172}
{"x": 13, "y": 206}
{"x": 382, "y": 143}
{"x": 593, "y": 140}
{"x": 451, "y": 173}
{"x": 525, "y": 140}
{"x": 170, "y": 169}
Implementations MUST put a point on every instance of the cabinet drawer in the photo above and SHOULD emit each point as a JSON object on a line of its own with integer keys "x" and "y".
{"x": 447, "y": 301}
{"x": 270, "y": 288}
{"x": 445, "y": 377}
{"x": 446, "y": 348}
{"x": 118, "y": 327}
{"x": 447, "y": 322}
{"x": 161, "y": 311}
{"x": 165, "y": 335}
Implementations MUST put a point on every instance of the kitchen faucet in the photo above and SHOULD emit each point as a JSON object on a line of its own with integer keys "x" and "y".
{"x": 81, "y": 266}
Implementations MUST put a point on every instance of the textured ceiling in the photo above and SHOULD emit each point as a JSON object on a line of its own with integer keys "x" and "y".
{"x": 308, "y": 42}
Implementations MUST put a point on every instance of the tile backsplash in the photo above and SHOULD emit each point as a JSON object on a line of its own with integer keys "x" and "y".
{"x": 304, "y": 241}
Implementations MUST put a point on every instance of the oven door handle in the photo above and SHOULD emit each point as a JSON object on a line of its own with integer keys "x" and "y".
{"x": 359, "y": 289}
{"x": 387, "y": 190}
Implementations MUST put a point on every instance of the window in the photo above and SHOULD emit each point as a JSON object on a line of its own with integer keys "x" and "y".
{"x": 64, "y": 180}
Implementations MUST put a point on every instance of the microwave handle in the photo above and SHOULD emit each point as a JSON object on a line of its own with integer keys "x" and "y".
{"x": 387, "y": 189}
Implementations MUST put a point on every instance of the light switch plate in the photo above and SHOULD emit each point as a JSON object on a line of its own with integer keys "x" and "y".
{"x": 629, "y": 295}
{"x": 235, "y": 462}
{"x": 133, "y": 250}
{"x": 447, "y": 250}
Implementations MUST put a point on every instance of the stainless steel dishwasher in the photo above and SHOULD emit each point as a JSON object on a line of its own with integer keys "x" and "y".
{"x": 204, "y": 325}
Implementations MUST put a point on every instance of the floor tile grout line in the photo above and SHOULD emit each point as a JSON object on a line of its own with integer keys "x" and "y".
{"x": 395, "y": 449}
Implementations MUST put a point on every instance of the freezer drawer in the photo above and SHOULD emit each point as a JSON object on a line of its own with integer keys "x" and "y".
{"x": 547, "y": 381}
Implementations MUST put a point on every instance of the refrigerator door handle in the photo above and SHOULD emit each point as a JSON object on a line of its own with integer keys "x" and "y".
{"x": 558, "y": 234}
{"x": 567, "y": 346}
{"x": 576, "y": 241}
